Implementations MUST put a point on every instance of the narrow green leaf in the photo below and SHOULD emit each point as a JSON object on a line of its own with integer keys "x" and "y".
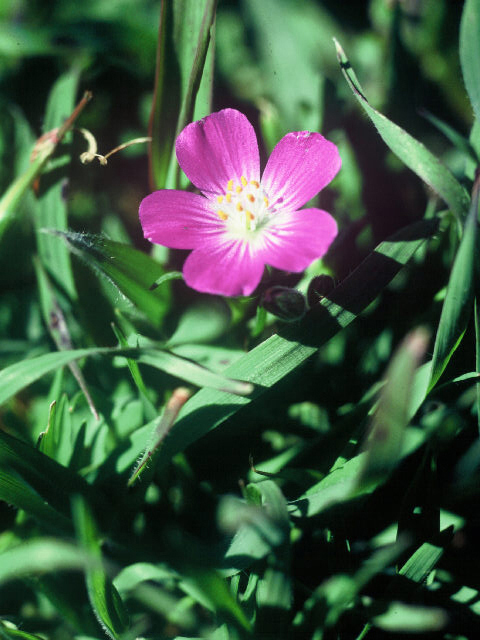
{"x": 104, "y": 598}
{"x": 419, "y": 565}
{"x": 384, "y": 441}
{"x": 407, "y": 618}
{"x": 183, "y": 42}
{"x": 34, "y": 482}
{"x": 57, "y": 326}
{"x": 131, "y": 271}
{"x": 39, "y": 556}
{"x": 21, "y": 374}
{"x": 470, "y": 52}
{"x": 412, "y": 152}
{"x": 458, "y": 303}
{"x": 8, "y": 631}
{"x": 52, "y": 208}
{"x": 281, "y": 354}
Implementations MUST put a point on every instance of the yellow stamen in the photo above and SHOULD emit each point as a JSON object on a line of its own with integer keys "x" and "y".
{"x": 230, "y": 185}
{"x": 238, "y": 189}
{"x": 249, "y": 215}
{"x": 255, "y": 183}
{"x": 251, "y": 197}
{"x": 266, "y": 202}
{"x": 222, "y": 215}
{"x": 219, "y": 199}
{"x": 228, "y": 197}
{"x": 244, "y": 181}
{"x": 239, "y": 207}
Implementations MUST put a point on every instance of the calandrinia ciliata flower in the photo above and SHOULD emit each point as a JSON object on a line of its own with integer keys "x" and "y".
{"x": 243, "y": 222}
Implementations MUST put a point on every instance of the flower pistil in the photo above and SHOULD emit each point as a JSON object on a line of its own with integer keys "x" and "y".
{"x": 244, "y": 207}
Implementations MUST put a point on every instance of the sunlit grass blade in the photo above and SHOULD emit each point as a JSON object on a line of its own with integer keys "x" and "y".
{"x": 21, "y": 374}
{"x": 458, "y": 303}
{"x": 281, "y": 354}
{"x": 131, "y": 271}
{"x": 183, "y": 43}
{"x": 470, "y": 52}
{"x": 412, "y": 152}
{"x": 104, "y": 598}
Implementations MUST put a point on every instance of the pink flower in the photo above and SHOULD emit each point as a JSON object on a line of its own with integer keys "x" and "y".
{"x": 242, "y": 222}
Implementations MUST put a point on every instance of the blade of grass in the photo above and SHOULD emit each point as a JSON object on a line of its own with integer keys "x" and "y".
{"x": 412, "y": 152}
{"x": 470, "y": 52}
{"x": 457, "y": 306}
{"x": 183, "y": 42}
{"x": 51, "y": 205}
{"x": 21, "y": 374}
{"x": 132, "y": 272}
{"x": 104, "y": 598}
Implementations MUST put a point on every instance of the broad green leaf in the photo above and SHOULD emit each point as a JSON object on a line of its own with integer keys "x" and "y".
{"x": 129, "y": 270}
{"x": 21, "y": 374}
{"x": 470, "y": 52}
{"x": 201, "y": 323}
{"x": 458, "y": 303}
{"x": 52, "y": 208}
{"x": 412, "y": 152}
{"x": 281, "y": 354}
{"x": 183, "y": 43}
{"x": 39, "y": 556}
{"x": 104, "y": 598}
{"x": 384, "y": 441}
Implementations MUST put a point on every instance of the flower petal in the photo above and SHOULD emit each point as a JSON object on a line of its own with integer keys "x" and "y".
{"x": 218, "y": 148}
{"x": 298, "y": 238}
{"x": 178, "y": 219}
{"x": 228, "y": 269}
{"x": 300, "y": 165}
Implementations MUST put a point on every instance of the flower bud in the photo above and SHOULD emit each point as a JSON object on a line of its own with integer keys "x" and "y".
{"x": 287, "y": 304}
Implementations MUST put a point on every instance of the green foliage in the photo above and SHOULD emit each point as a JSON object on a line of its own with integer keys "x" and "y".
{"x": 319, "y": 477}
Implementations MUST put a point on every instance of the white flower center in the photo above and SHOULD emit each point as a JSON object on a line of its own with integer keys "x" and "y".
{"x": 244, "y": 207}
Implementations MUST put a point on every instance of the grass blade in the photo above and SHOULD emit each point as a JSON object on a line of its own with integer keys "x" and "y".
{"x": 412, "y": 152}
{"x": 457, "y": 306}
{"x": 183, "y": 42}
{"x": 470, "y": 52}
{"x": 104, "y": 598}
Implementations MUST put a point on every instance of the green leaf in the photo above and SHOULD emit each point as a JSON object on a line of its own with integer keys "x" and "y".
{"x": 419, "y": 565}
{"x": 34, "y": 482}
{"x": 39, "y": 556}
{"x": 104, "y": 598}
{"x": 384, "y": 440}
{"x": 458, "y": 303}
{"x": 281, "y": 354}
{"x": 412, "y": 152}
{"x": 52, "y": 208}
{"x": 8, "y": 631}
{"x": 183, "y": 43}
{"x": 131, "y": 271}
{"x": 21, "y": 374}
{"x": 470, "y": 52}
{"x": 407, "y": 618}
